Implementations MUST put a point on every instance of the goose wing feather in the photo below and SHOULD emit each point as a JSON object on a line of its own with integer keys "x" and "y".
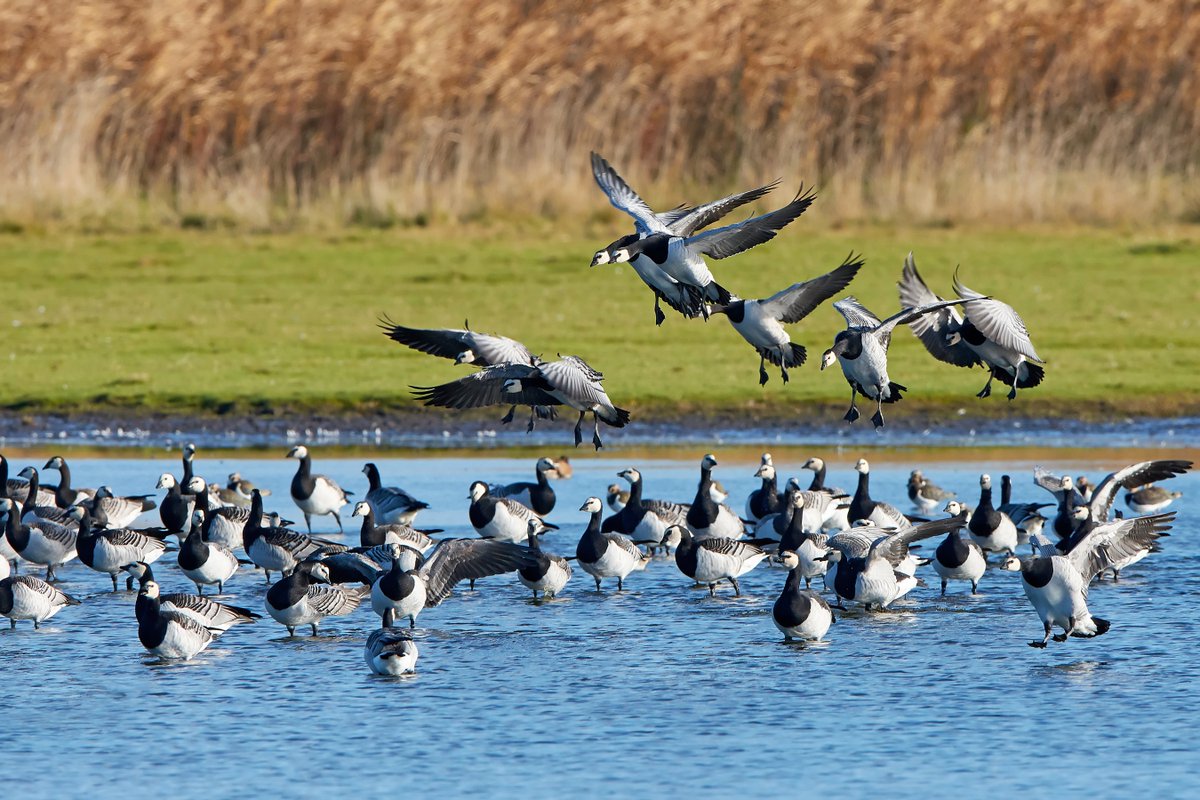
{"x": 1113, "y": 542}
{"x": 998, "y": 321}
{"x": 454, "y": 560}
{"x": 733, "y": 239}
{"x": 800, "y": 299}
{"x": 932, "y": 329}
{"x": 1131, "y": 477}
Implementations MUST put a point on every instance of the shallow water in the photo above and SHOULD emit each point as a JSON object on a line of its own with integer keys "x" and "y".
{"x": 657, "y": 691}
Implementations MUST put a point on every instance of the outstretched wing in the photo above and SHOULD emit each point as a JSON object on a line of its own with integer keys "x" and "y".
{"x": 894, "y": 547}
{"x": 1054, "y": 485}
{"x": 855, "y": 313}
{"x": 692, "y": 220}
{"x": 1113, "y": 542}
{"x": 489, "y": 349}
{"x": 733, "y": 239}
{"x": 800, "y": 299}
{"x": 1132, "y": 477}
{"x": 485, "y": 388}
{"x": 335, "y": 601}
{"x": 625, "y": 198}
{"x": 454, "y": 560}
{"x": 572, "y": 378}
{"x": 997, "y": 321}
{"x": 932, "y": 329}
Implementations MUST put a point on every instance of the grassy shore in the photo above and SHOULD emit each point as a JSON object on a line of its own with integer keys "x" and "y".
{"x": 204, "y": 321}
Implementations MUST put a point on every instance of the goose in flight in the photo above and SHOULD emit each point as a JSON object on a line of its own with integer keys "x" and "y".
{"x": 682, "y": 257}
{"x": 1056, "y": 584}
{"x": 989, "y": 332}
{"x": 569, "y": 381}
{"x": 681, "y": 221}
{"x": 470, "y": 347}
{"x": 862, "y": 348}
{"x": 760, "y": 322}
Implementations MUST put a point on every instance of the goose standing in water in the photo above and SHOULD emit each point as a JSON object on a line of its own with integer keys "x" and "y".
{"x": 26, "y": 597}
{"x": 681, "y": 256}
{"x": 205, "y": 563}
{"x": 389, "y": 651}
{"x": 606, "y": 555}
{"x": 205, "y": 610}
{"x": 108, "y": 551}
{"x": 616, "y": 497}
{"x": 538, "y": 495}
{"x": 706, "y": 517}
{"x": 807, "y": 545}
{"x": 549, "y": 574}
{"x": 224, "y": 525}
{"x": 640, "y": 519}
{"x": 990, "y": 333}
{"x": 33, "y": 509}
{"x": 862, "y": 506}
{"x": 40, "y": 542}
{"x": 275, "y": 549}
{"x": 569, "y": 381}
{"x": 765, "y": 500}
{"x": 372, "y": 535}
{"x": 1065, "y": 493}
{"x": 391, "y": 504}
{"x": 119, "y": 512}
{"x": 959, "y": 557}
{"x": 469, "y": 347}
{"x": 991, "y": 529}
{"x": 305, "y": 597}
{"x": 925, "y": 494}
{"x": 861, "y": 350}
{"x": 800, "y": 613}
{"x": 501, "y": 518}
{"x": 871, "y": 576}
{"x": 316, "y": 495}
{"x": 682, "y": 221}
{"x": 711, "y": 560}
{"x": 760, "y": 322}
{"x": 401, "y": 592}
{"x": 1056, "y": 585}
{"x": 169, "y": 634}
{"x": 175, "y": 510}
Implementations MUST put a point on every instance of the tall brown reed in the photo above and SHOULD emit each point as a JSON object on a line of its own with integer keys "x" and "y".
{"x": 262, "y": 110}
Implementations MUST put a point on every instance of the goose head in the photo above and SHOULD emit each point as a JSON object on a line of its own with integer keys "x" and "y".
{"x": 465, "y": 357}
{"x": 832, "y": 555}
{"x": 766, "y": 472}
{"x": 165, "y": 481}
{"x": 797, "y": 499}
{"x": 1081, "y": 513}
{"x": 828, "y": 358}
{"x": 600, "y": 257}
{"x": 150, "y": 589}
{"x": 789, "y": 559}
{"x": 197, "y": 519}
{"x": 139, "y": 570}
{"x": 625, "y": 249}
{"x": 196, "y": 485}
{"x": 953, "y": 508}
{"x": 55, "y": 463}
{"x": 985, "y": 481}
{"x": 708, "y": 462}
{"x": 361, "y": 509}
{"x": 76, "y": 513}
{"x": 478, "y": 490}
{"x": 29, "y": 473}
{"x": 675, "y": 535}
{"x": 513, "y": 386}
{"x": 544, "y": 464}
{"x": 862, "y": 467}
{"x": 630, "y": 474}
{"x": 298, "y": 452}
{"x": 793, "y": 485}
{"x": 814, "y": 463}
{"x": 1011, "y": 564}
{"x": 591, "y": 505}
{"x": 189, "y": 451}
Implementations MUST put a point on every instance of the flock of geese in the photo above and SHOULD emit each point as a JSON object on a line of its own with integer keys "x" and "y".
{"x": 667, "y": 251}
{"x": 860, "y": 549}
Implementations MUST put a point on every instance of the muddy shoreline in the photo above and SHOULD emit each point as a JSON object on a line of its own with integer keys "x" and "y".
{"x": 422, "y": 430}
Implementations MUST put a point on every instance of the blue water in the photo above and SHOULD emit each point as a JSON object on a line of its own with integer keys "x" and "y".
{"x": 658, "y": 691}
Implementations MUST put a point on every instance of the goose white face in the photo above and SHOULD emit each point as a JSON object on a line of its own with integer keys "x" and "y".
{"x": 1080, "y": 513}
{"x": 299, "y": 451}
{"x": 396, "y": 550}
{"x": 673, "y": 536}
{"x": 814, "y": 464}
{"x": 827, "y": 359}
{"x": 1011, "y": 564}
{"x": 166, "y": 481}
{"x": 862, "y": 467}
{"x": 513, "y": 386}
{"x": 196, "y": 485}
{"x": 953, "y": 338}
{"x": 135, "y": 569}
{"x": 103, "y": 492}
{"x": 709, "y": 461}
{"x": 189, "y": 451}
{"x": 275, "y": 519}
{"x": 75, "y": 513}
{"x": 831, "y": 555}
{"x": 631, "y": 475}
{"x": 789, "y": 559}
{"x": 478, "y": 490}
{"x": 235, "y": 477}
{"x": 544, "y": 464}
{"x": 534, "y": 525}
{"x": 1067, "y": 483}
{"x": 27, "y": 473}
{"x": 361, "y": 508}
{"x": 798, "y": 500}
{"x": 320, "y": 572}
{"x": 54, "y": 463}
{"x": 591, "y": 505}
{"x": 985, "y": 481}
{"x": 601, "y": 257}
{"x": 197, "y": 519}
{"x": 621, "y": 255}
{"x": 465, "y": 357}
{"x": 953, "y": 508}
{"x": 150, "y": 589}
{"x": 766, "y": 471}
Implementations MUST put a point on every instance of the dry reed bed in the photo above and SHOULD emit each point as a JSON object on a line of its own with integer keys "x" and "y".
{"x": 264, "y": 110}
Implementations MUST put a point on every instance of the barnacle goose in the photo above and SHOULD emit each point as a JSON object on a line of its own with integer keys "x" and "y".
{"x": 991, "y": 529}
{"x": 989, "y": 333}
{"x": 501, "y": 518}
{"x": 26, "y": 597}
{"x": 925, "y": 494}
{"x": 107, "y": 551}
{"x": 39, "y": 541}
{"x": 390, "y": 503}
{"x": 275, "y": 549}
{"x": 205, "y": 610}
{"x": 305, "y": 597}
{"x": 389, "y": 651}
{"x": 861, "y": 350}
{"x": 711, "y": 560}
{"x": 760, "y": 322}
{"x": 706, "y": 517}
{"x": 800, "y": 613}
{"x": 959, "y": 557}
{"x": 205, "y": 563}
{"x": 549, "y": 574}
{"x": 862, "y": 506}
{"x": 644, "y": 521}
{"x": 169, "y": 634}
{"x": 538, "y": 495}
{"x": 372, "y": 535}
{"x": 606, "y": 555}
{"x": 316, "y": 495}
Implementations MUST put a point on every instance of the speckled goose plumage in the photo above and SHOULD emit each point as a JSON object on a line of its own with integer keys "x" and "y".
{"x": 24, "y": 597}
{"x": 709, "y": 561}
{"x": 390, "y": 651}
{"x": 391, "y": 504}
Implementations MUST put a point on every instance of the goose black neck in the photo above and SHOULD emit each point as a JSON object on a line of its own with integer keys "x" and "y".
{"x": 703, "y": 495}
{"x": 305, "y": 468}
{"x": 635, "y": 494}
{"x": 63, "y": 496}
{"x": 367, "y": 536}
{"x": 861, "y": 505}
{"x": 792, "y": 585}
{"x": 372, "y": 475}
{"x": 985, "y": 499}
{"x": 1005, "y": 490}
{"x": 253, "y": 528}
{"x": 3, "y": 477}
{"x": 151, "y": 625}
{"x": 194, "y": 552}
{"x": 31, "y": 498}
{"x": 593, "y": 528}
{"x": 187, "y": 470}
{"x": 18, "y": 534}
{"x": 818, "y": 481}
